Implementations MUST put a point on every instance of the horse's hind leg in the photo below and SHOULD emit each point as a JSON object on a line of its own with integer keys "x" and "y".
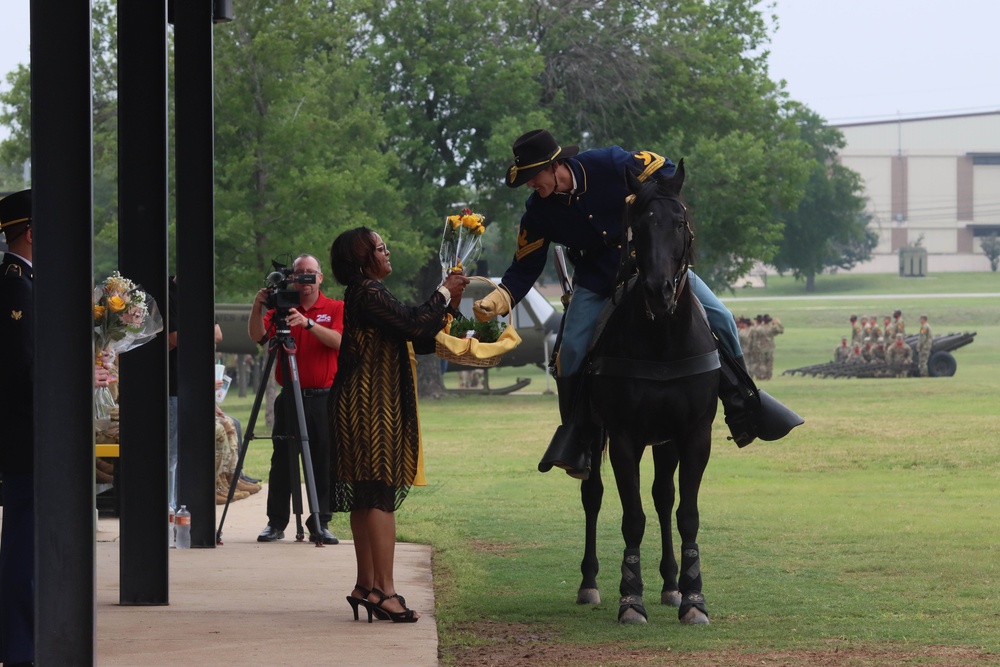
{"x": 591, "y": 494}
{"x": 664, "y": 465}
{"x": 625, "y": 457}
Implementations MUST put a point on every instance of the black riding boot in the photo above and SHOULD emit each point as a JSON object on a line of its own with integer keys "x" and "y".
{"x": 571, "y": 445}
{"x": 750, "y": 412}
{"x": 739, "y": 399}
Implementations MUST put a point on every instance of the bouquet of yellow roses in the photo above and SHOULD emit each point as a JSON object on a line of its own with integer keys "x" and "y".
{"x": 461, "y": 240}
{"x": 125, "y": 317}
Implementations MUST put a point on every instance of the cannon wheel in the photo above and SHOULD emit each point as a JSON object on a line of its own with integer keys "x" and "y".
{"x": 941, "y": 364}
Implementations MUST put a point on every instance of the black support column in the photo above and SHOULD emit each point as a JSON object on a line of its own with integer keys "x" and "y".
{"x": 142, "y": 257}
{"x": 62, "y": 184}
{"x": 194, "y": 133}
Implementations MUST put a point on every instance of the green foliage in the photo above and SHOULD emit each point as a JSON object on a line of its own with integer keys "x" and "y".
{"x": 299, "y": 143}
{"x": 991, "y": 248}
{"x": 829, "y": 228}
{"x": 331, "y": 115}
{"x": 486, "y": 332}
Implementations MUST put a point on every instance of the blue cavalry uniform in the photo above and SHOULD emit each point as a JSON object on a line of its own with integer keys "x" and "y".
{"x": 588, "y": 221}
{"x": 17, "y": 543}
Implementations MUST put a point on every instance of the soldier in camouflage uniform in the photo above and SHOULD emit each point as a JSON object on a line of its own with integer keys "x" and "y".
{"x": 887, "y": 331}
{"x": 842, "y": 351}
{"x": 899, "y": 356}
{"x": 855, "y": 330}
{"x": 769, "y": 329}
{"x": 925, "y": 341}
{"x": 897, "y": 323}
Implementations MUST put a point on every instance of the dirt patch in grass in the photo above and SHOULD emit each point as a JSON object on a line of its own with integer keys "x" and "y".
{"x": 522, "y": 645}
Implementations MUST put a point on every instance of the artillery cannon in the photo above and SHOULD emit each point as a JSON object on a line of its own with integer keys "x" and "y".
{"x": 940, "y": 364}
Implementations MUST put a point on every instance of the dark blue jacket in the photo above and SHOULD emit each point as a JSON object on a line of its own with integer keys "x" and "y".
{"x": 17, "y": 388}
{"x": 587, "y": 221}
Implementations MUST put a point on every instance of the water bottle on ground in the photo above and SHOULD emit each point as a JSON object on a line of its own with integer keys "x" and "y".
{"x": 170, "y": 526}
{"x": 182, "y": 520}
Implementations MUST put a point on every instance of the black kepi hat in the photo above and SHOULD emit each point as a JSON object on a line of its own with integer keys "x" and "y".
{"x": 15, "y": 209}
{"x": 533, "y": 151}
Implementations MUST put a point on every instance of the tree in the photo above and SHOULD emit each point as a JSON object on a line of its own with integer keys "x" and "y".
{"x": 830, "y": 226}
{"x": 15, "y": 114}
{"x": 991, "y": 248}
{"x": 299, "y": 143}
{"x": 685, "y": 79}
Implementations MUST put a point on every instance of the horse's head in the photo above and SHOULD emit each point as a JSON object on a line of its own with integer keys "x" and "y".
{"x": 662, "y": 239}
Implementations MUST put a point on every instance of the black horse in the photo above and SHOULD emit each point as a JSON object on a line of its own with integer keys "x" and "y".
{"x": 654, "y": 380}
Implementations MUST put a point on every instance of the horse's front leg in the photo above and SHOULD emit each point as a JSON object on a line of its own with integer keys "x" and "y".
{"x": 591, "y": 494}
{"x": 625, "y": 458}
{"x": 664, "y": 466}
{"x": 693, "y": 461}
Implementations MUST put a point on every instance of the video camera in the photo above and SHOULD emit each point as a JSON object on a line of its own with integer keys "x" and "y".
{"x": 283, "y": 296}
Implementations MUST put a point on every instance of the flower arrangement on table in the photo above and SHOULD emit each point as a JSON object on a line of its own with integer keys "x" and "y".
{"x": 125, "y": 317}
{"x": 461, "y": 240}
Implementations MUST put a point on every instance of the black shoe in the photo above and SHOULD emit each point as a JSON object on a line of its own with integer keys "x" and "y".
{"x": 270, "y": 534}
{"x": 326, "y": 536}
{"x": 249, "y": 480}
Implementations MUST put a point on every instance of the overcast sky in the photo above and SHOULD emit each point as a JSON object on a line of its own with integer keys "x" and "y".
{"x": 848, "y": 60}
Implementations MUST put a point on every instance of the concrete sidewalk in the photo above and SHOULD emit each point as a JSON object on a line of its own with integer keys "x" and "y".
{"x": 249, "y": 603}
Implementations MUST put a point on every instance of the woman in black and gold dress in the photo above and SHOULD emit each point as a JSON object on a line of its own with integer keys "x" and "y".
{"x": 373, "y": 409}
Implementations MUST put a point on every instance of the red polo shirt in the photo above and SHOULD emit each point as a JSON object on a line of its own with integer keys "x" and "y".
{"x": 317, "y": 363}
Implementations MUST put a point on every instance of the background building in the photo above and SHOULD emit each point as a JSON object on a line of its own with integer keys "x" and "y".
{"x": 932, "y": 182}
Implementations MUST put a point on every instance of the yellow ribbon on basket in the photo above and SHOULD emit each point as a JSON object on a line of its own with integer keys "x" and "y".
{"x": 420, "y": 479}
{"x": 472, "y": 347}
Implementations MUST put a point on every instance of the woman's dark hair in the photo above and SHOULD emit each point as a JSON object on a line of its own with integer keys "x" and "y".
{"x": 352, "y": 255}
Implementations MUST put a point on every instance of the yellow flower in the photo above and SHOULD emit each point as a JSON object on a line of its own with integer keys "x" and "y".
{"x": 98, "y": 312}
{"x": 116, "y": 303}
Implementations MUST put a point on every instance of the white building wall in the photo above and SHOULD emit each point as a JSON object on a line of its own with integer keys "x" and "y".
{"x": 933, "y": 152}
{"x": 986, "y": 181}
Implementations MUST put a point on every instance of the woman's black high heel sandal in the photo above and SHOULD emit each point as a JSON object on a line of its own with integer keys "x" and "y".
{"x": 354, "y": 602}
{"x": 405, "y": 616}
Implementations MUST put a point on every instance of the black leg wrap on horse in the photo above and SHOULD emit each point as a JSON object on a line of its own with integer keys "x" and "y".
{"x": 571, "y": 445}
{"x": 690, "y": 580}
{"x": 630, "y": 588}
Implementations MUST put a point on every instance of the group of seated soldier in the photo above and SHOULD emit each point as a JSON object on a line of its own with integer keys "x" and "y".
{"x": 883, "y": 345}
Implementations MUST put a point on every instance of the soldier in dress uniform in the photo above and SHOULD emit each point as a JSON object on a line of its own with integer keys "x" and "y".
{"x": 17, "y": 542}
{"x": 925, "y": 340}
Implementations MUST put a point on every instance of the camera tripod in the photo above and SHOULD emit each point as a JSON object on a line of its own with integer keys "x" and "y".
{"x": 282, "y": 346}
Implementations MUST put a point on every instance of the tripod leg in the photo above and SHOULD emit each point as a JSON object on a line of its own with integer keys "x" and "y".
{"x": 304, "y": 451}
{"x": 247, "y": 437}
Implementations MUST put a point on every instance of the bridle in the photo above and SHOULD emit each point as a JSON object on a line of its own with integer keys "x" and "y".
{"x": 679, "y": 280}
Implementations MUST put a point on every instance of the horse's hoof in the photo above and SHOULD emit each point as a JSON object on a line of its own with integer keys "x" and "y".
{"x": 631, "y": 611}
{"x": 671, "y": 598}
{"x": 695, "y": 616}
{"x": 631, "y": 617}
{"x": 588, "y": 596}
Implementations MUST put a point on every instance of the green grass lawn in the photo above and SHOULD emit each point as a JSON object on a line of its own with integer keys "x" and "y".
{"x": 865, "y": 537}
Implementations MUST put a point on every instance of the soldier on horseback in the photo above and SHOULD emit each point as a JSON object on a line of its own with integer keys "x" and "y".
{"x": 577, "y": 201}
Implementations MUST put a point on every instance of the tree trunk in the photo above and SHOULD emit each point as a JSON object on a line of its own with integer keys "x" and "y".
{"x": 430, "y": 381}
{"x": 810, "y": 282}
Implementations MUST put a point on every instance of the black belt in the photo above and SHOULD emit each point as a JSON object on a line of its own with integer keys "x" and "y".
{"x": 309, "y": 393}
